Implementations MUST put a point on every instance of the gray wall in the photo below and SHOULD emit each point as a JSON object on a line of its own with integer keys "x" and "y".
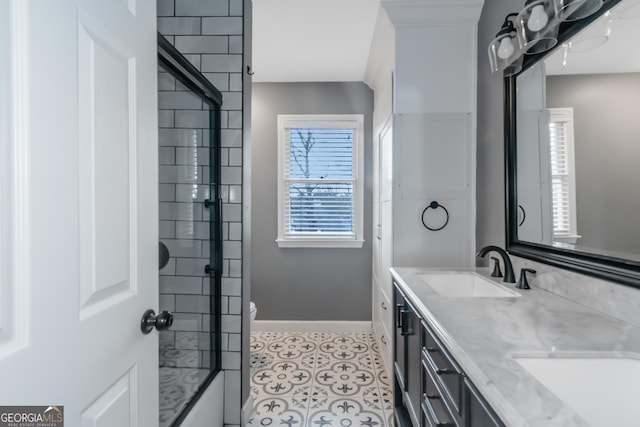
{"x": 305, "y": 283}
{"x": 606, "y": 111}
{"x": 490, "y": 148}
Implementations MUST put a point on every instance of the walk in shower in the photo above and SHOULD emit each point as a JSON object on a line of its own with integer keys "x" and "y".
{"x": 190, "y": 232}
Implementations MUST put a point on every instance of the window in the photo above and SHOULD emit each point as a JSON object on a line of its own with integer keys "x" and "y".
{"x": 320, "y": 180}
{"x": 563, "y": 183}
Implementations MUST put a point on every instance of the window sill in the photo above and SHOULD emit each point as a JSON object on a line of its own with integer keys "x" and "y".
{"x": 566, "y": 238}
{"x": 319, "y": 243}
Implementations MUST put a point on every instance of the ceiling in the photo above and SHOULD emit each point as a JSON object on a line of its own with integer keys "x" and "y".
{"x": 312, "y": 40}
{"x": 329, "y": 40}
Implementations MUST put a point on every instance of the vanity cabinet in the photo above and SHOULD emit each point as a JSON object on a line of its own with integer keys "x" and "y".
{"x": 431, "y": 389}
{"x": 406, "y": 364}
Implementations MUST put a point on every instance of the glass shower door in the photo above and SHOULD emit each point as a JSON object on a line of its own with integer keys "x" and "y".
{"x": 190, "y": 229}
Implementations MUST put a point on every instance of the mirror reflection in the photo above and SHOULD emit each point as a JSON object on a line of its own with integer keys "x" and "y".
{"x": 578, "y": 140}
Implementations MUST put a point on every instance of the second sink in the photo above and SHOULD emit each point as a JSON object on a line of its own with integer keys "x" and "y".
{"x": 465, "y": 284}
{"x": 603, "y": 390}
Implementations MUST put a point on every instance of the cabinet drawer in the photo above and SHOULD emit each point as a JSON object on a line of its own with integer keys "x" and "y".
{"x": 445, "y": 370}
{"x": 435, "y": 410}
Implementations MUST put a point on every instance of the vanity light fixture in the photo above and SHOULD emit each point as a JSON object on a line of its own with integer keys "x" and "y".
{"x": 537, "y": 26}
{"x": 593, "y": 42}
{"x": 565, "y": 54}
{"x": 572, "y": 10}
{"x": 504, "y": 51}
{"x": 535, "y": 30}
{"x": 537, "y": 16}
{"x": 588, "y": 44}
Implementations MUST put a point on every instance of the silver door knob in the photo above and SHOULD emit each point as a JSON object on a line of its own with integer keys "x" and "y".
{"x": 162, "y": 321}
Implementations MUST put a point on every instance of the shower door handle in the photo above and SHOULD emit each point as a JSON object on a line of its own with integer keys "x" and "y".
{"x": 217, "y": 254}
{"x": 161, "y": 322}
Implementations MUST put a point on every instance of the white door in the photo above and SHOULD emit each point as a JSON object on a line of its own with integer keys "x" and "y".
{"x": 78, "y": 208}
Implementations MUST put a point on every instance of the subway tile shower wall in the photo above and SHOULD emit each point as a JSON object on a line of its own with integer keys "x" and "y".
{"x": 183, "y": 184}
{"x": 210, "y": 35}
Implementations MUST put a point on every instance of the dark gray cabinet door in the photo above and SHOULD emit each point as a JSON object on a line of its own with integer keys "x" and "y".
{"x": 407, "y": 363}
{"x": 479, "y": 413}
{"x": 414, "y": 367}
{"x": 399, "y": 352}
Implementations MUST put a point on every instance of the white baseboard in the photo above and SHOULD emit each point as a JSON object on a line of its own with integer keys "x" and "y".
{"x": 311, "y": 326}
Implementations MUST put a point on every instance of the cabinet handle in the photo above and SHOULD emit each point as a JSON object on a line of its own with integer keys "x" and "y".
{"x": 399, "y": 308}
{"x": 384, "y": 307}
{"x": 434, "y": 415}
{"x": 382, "y": 338}
{"x": 406, "y": 330}
{"x": 432, "y": 363}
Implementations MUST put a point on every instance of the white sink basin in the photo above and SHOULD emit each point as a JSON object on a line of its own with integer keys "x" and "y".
{"x": 602, "y": 390}
{"x": 465, "y": 284}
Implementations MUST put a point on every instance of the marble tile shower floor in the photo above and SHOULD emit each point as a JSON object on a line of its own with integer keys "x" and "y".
{"x": 181, "y": 373}
{"x": 177, "y": 386}
{"x": 318, "y": 379}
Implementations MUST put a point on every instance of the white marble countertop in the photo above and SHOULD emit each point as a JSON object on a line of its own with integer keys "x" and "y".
{"x": 483, "y": 334}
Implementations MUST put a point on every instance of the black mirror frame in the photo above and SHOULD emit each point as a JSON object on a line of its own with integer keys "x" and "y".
{"x": 619, "y": 270}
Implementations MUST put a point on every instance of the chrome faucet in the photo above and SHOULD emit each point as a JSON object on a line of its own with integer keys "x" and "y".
{"x": 508, "y": 267}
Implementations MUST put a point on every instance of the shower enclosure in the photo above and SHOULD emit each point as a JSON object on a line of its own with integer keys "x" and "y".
{"x": 190, "y": 232}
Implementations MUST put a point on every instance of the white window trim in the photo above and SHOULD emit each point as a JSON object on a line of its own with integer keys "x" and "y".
{"x": 354, "y": 121}
{"x": 566, "y": 115}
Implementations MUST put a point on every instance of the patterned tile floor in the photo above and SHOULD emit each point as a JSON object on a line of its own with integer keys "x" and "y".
{"x": 318, "y": 380}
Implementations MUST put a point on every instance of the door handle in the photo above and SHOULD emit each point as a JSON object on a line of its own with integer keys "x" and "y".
{"x": 161, "y": 322}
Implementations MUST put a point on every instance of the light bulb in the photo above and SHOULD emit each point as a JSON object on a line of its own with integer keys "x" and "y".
{"x": 506, "y": 48}
{"x": 538, "y": 18}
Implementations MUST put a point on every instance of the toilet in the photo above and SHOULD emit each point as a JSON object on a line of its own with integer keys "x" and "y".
{"x": 252, "y": 311}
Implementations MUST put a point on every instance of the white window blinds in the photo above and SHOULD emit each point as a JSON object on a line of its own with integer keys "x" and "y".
{"x": 319, "y": 178}
{"x": 562, "y": 173}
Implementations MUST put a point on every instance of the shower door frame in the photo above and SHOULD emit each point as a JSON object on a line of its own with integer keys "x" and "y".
{"x": 174, "y": 62}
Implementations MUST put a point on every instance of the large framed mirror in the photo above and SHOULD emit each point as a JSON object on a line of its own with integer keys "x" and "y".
{"x": 572, "y": 139}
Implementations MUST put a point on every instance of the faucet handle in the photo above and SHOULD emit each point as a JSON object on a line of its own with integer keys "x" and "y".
{"x": 496, "y": 268}
{"x": 523, "y": 283}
